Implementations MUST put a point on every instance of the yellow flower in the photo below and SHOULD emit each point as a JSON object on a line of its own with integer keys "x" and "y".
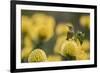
{"x": 27, "y": 41}
{"x": 69, "y": 47}
{"x": 85, "y": 21}
{"x": 50, "y": 22}
{"x": 33, "y": 32}
{"x": 25, "y": 53}
{"x": 62, "y": 29}
{"x": 73, "y": 48}
{"x": 37, "y": 55}
{"x": 58, "y": 45}
{"x": 39, "y": 18}
{"x": 54, "y": 58}
{"x": 43, "y": 26}
{"x": 81, "y": 55}
{"x": 25, "y": 24}
{"x": 47, "y": 30}
{"x": 86, "y": 45}
{"x": 78, "y": 44}
{"x": 45, "y": 33}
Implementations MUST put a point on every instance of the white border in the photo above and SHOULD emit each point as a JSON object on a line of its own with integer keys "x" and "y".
{"x": 20, "y": 65}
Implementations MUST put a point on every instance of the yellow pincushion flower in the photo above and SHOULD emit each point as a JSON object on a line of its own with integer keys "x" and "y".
{"x": 86, "y": 45}
{"x": 25, "y": 52}
{"x": 54, "y": 58}
{"x": 85, "y": 21}
{"x": 69, "y": 47}
{"x": 81, "y": 55}
{"x": 37, "y": 55}
{"x": 26, "y": 23}
{"x": 62, "y": 29}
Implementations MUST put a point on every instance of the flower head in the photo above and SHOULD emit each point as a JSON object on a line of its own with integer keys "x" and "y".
{"x": 27, "y": 41}
{"x": 37, "y": 55}
{"x": 81, "y": 55}
{"x": 39, "y": 18}
{"x": 59, "y": 42}
{"x": 26, "y": 23}
{"x": 69, "y": 47}
{"x": 85, "y": 21}
{"x": 43, "y": 26}
{"x": 62, "y": 29}
{"x": 25, "y": 53}
{"x": 86, "y": 45}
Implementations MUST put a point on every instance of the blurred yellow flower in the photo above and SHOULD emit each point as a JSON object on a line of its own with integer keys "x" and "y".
{"x": 62, "y": 29}
{"x": 86, "y": 45}
{"x": 42, "y": 27}
{"x": 50, "y": 22}
{"x": 39, "y": 18}
{"x": 85, "y": 21}
{"x": 33, "y": 32}
{"x": 25, "y": 53}
{"x": 58, "y": 44}
{"x": 48, "y": 28}
{"x": 26, "y": 23}
{"x": 37, "y": 55}
{"x": 45, "y": 33}
{"x": 81, "y": 55}
{"x": 27, "y": 41}
{"x": 54, "y": 58}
